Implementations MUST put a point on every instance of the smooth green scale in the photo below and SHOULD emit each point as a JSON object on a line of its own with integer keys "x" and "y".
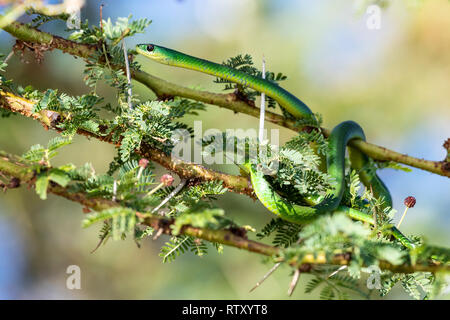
{"x": 339, "y": 138}
{"x": 174, "y": 58}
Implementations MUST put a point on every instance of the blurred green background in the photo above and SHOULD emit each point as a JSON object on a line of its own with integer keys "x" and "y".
{"x": 394, "y": 81}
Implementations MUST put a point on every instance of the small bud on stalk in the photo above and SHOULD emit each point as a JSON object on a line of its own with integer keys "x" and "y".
{"x": 142, "y": 164}
{"x": 165, "y": 181}
{"x": 409, "y": 203}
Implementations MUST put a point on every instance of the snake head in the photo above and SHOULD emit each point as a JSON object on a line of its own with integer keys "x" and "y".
{"x": 158, "y": 53}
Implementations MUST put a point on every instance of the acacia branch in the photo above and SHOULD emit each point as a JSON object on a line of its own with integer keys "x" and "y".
{"x": 51, "y": 119}
{"x": 163, "y": 88}
{"x": 14, "y": 167}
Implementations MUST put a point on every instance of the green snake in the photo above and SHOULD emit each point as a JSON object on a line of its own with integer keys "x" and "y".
{"x": 339, "y": 138}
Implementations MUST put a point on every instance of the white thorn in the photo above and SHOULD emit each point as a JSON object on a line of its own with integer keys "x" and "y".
{"x": 171, "y": 195}
{"x": 275, "y": 267}
{"x": 114, "y": 190}
{"x": 294, "y": 282}
{"x": 338, "y": 270}
{"x": 127, "y": 66}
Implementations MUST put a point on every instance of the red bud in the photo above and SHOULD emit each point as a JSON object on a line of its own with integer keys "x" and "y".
{"x": 143, "y": 163}
{"x": 167, "y": 179}
{"x": 410, "y": 202}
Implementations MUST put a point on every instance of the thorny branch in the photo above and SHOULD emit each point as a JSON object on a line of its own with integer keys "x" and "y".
{"x": 50, "y": 120}
{"x": 21, "y": 174}
{"x": 230, "y": 101}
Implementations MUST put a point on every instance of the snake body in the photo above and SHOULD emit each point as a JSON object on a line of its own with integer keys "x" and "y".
{"x": 174, "y": 58}
{"x": 339, "y": 138}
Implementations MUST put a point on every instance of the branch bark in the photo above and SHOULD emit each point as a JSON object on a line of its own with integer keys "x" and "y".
{"x": 50, "y": 119}
{"x": 13, "y": 167}
{"x": 163, "y": 88}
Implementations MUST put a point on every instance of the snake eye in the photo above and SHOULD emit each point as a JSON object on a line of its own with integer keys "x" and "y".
{"x": 150, "y": 47}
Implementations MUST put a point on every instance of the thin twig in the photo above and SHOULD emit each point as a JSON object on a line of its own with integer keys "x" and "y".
{"x": 122, "y": 36}
{"x": 19, "y": 170}
{"x": 164, "y": 88}
{"x": 105, "y": 54}
{"x": 234, "y": 183}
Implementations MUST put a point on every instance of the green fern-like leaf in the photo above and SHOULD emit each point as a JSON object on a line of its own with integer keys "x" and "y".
{"x": 179, "y": 245}
{"x": 35, "y": 154}
{"x": 123, "y": 220}
{"x": 313, "y": 284}
{"x": 327, "y": 293}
